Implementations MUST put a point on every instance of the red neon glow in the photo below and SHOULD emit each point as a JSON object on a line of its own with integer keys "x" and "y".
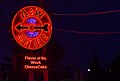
{"x": 87, "y": 14}
{"x": 35, "y": 58}
{"x": 35, "y": 67}
{"x": 91, "y": 33}
{"x": 30, "y": 58}
{"x": 35, "y": 62}
{"x": 31, "y": 27}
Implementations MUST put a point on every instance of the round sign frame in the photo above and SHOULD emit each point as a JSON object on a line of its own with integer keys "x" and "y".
{"x": 31, "y": 27}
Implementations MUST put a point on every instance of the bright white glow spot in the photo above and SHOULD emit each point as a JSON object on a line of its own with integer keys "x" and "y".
{"x": 109, "y": 70}
{"x": 88, "y": 69}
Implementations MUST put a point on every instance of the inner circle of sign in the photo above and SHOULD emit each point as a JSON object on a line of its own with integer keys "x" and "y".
{"x": 31, "y": 30}
{"x": 31, "y": 22}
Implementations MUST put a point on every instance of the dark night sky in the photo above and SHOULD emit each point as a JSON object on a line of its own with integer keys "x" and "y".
{"x": 78, "y": 48}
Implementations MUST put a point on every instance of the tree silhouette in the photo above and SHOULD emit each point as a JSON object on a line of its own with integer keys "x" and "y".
{"x": 5, "y": 69}
{"x": 95, "y": 69}
{"x": 115, "y": 69}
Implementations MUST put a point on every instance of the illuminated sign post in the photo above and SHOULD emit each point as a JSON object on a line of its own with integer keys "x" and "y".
{"x": 31, "y": 27}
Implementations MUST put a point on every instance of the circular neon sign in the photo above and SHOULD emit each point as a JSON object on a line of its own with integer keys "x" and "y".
{"x": 31, "y": 27}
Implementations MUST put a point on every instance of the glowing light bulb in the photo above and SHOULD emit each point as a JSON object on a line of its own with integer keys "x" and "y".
{"x": 88, "y": 69}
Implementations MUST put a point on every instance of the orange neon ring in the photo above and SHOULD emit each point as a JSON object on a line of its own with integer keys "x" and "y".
{"x": 20, "y": 27}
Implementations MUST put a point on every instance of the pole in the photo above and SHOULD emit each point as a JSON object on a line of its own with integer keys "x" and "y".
{"x": 31, "y": 76}
{"x": 31, "y": 73}
{"x": 45, "y": 72}
{"x": 45, "y": 75}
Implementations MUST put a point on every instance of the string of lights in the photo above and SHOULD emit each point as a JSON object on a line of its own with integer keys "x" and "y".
{"x": 91, "y": 33}
{"x": 87, "y": 14}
